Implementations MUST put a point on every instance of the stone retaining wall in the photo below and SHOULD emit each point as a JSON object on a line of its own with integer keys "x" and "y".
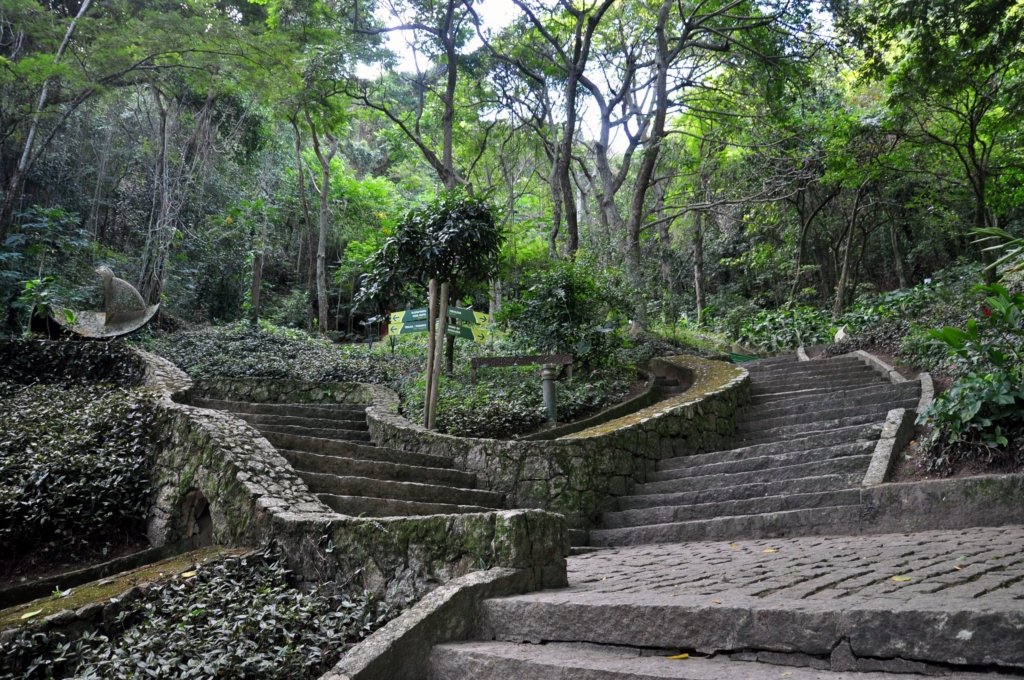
{"x": 579, "y": 475}
{"x": 255, "y": 496}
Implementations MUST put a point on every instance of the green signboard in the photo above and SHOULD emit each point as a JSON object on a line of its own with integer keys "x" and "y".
{"x": 468, "y": 315}
{"x": 469, "y": 332}
{"x": 409, "y": 315}
{"x": 469, "y": 323}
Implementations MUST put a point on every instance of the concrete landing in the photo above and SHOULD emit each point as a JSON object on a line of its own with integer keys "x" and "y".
{"x": 953, "y": 598}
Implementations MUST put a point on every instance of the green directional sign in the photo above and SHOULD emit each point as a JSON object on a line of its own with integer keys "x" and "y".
{"x": 409, "y": 315}
{"x": 468, "y": 315}
{"x": 407, "y": 328}
{"x": 468, "y": 332}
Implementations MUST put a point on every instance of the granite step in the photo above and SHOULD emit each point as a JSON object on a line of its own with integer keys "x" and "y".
{"x": 790, "y": 432}
{"x": 258, "y": 419}
{"x": 316, "y": 433}
{"x": 814, "y": 373}
{"x": 813, "y": 365}
{"x": 365, "y": 506}
{"x": 835, "y": 437}
{"x": 826, "y": 520}
{"x": 407, "y": 491}
{"x": 762, "y": 463}
{"x": 668, "y": 514}
{"x": 758, "y": 489}
{"x": 303, "y": 410}
{"x": 756, "y": 421}
{"x": 859, "y": 395}
{"x": 398, "y": 472}
{"x": 843, "y": 465}
{"x": 765, "y": 387}
{"x": 939, "y": 602}
{"x": 329, "y": 447}
{"x": 494, "y": 660}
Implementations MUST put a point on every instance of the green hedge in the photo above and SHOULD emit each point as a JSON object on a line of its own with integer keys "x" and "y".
{"x": 235, "y": 618}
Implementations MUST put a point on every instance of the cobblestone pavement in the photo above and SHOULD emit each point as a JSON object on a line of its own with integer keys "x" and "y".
{"x": 979, "y": 568}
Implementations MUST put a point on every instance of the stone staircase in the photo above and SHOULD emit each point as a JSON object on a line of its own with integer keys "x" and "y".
{"x": 795, "y": 467}
{"x": 329, "y": 447}
{"x": 733, "y": 564}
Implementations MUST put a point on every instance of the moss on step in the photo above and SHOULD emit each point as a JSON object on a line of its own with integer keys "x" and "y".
{"x": 100, "y": 592}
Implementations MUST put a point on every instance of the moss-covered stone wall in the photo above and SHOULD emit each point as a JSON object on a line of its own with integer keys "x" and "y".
{"x": 255, "y": 496}
{"x": 579, "y": 475}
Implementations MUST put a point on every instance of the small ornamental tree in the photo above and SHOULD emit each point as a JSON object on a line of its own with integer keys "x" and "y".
{"x": 454, "y": 239}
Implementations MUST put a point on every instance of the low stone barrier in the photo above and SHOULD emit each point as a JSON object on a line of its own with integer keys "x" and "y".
{"x": 256, "y": 496}
{"x": 216, "y": 479}
{"x": 579, "y": 475}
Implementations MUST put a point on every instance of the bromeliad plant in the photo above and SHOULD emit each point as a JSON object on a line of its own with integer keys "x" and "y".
{"x": 981, "y": 418}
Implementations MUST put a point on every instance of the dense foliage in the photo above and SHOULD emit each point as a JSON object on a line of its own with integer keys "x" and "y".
{"x": 234, "y": 618}
{"x": 266, "y": 351}
{"x": 74, "y": 470}
{"x": 569, "y": 309}
{"x": 981, "y": 418}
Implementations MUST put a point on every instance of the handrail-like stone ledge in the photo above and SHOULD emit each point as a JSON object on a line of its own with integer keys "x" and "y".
{"x": 580, "y": 476}
{"x": 254, "y": 495}
{"x": 708, "y": 378}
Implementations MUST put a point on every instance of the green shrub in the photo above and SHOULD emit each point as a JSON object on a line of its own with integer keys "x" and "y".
{"x": 787, "y": 328}
{"x": 236, "y": 618}
{"x": 981, "y": 417}
{"x": 266, "y": 351}
{"x": 74, "y": 468}
{"x": 567, "y": 309}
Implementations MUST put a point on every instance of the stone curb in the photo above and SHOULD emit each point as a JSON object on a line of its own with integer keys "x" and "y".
{"x": 896, "y": 434}
{"x": 579, "y": 476}
{"x": 880, "y": 366}
{"x": 399, "y": 650}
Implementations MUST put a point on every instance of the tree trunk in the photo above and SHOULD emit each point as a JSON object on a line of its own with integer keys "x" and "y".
{"x": 698, "y": 265}
{"x": 429, "y": 370}
{"x": 17, "y": 183}
{"x": 257, "y": 278}
{"x": 324, "y": 190}
{"x": 300, "y": 169}
{"x": 844, "y": 276}
{"x": 897, "y": 255}
{"x": 442, "y": 332}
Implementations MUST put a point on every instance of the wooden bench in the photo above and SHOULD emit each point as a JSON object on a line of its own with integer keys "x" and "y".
{"x": 525, "y": 360}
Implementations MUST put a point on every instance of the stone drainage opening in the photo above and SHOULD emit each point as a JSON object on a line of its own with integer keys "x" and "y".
{"x": 196, "y": 522}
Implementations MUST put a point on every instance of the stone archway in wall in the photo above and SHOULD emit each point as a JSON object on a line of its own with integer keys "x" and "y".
{"x": 195, "y": 520}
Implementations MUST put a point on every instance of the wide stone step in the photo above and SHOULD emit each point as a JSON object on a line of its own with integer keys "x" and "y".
{"x": 814, "y": 365}
{"x": 493, "y": 660}
{"x": 789, "y": 432}
{"x": 937, "y": 597}
{"x": 802, "y": 442}
{"x": 764, "y": 463}
{"x": 829, "y": 520}
{"x": 317, "y": 433}
{"x": 779, "y": 360}
{"x": 258, "y": 419}
{"x": 835, "y": 437}
{"x": 365, "y": 506}
{"x": 819, "y": 374}
{"x": 667, "y": 514}
{"x": 354, "y": 467}
{"x": 302, "y": 410}
{"x": 834, "y": 466}
{"x": 754, "y": 421}
{"x": 760, "y": 489}
{"x": 860, "y": 395}
{"x": 320, "y": 483}
{"x": 335, "y": 447}
{"x": 759, "y": 388}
